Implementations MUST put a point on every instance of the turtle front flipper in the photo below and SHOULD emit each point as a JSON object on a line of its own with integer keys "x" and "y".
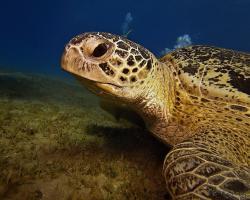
{"x": 193, "y": 171}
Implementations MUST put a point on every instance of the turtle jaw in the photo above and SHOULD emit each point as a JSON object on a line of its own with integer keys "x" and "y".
{"x": 106, "y": 90}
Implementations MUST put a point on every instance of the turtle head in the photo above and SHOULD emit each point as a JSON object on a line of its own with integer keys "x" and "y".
{"x": 109, "y": 65}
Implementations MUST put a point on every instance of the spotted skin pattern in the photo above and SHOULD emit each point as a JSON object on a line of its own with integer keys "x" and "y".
{"x": 196, "y": 99}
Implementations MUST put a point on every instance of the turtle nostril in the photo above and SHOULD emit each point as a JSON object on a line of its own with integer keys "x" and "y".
{"x": 100, "y": 50}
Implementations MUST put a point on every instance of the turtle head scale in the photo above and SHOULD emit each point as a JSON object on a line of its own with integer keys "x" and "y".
{"x": 108, "y": 64}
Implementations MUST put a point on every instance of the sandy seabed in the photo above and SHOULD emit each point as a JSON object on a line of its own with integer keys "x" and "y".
{"x": 56, "y": 143}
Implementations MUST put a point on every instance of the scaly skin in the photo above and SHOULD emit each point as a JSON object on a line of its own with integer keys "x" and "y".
{"x": 195, "y": 98}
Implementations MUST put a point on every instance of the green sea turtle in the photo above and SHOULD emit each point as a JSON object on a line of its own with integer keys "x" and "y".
{"x": 196, "y": 99}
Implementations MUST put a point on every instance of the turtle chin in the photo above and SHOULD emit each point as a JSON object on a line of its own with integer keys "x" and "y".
{"x": 108, "y": 88}
{"x": 102, "y": 89}
{"x": 109, "y": 91}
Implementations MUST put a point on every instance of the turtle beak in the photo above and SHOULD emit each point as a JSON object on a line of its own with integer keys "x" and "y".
{"x": 74, "y": 62}
{"x": 69, "y": 56}
{"x": 87, "y": 71}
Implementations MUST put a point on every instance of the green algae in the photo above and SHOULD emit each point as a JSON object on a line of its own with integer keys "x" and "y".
{"x": 56, "y": 143}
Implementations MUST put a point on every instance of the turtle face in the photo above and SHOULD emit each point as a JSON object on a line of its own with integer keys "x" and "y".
{"x": 108, "y": 64}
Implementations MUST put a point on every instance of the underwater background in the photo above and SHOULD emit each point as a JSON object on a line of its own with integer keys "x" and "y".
{"x": 33, "y": 33}
{"x": 55, "y": 140}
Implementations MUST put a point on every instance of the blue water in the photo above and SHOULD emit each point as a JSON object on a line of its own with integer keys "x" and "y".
{"x": 33, "y": 33}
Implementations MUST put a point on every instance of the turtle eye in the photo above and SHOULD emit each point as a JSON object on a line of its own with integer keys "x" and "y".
{"x": 100, "y": 50}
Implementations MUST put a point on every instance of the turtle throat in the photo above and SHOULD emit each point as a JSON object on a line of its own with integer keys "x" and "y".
{"x": 157, "y": 102}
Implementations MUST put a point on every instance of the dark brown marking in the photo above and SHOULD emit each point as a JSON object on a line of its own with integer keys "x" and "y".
{"x": 212, "y": 193}
{"x": 125, "y": 71}
{"x": 239, "y": 108}
{"x": 191, "y": 68}
{"x": 134, "y": 51}
{"x": 215, "y": 180}
{"x": 239, "y": 82}
{"x": 123, "y": 79}
{"x": 138, "y": 58}
{"x": 236, "y": 186}
{"x": 78, "y": 39}
{"x": 123, "y": 45}
{"x": 149, "y": 65}
{"x": 142, "y": 63}
{"x": 185, "y": 183}
{"x": 135, "y": 70}
{"x": 194, "y": 97}
{"x": 122, "y": 54}
{"x": 217, "y": 160}
{"x": 133, "y": 79}
{"x": 106, "y": 69}
{"x": 208, "y": 170}
{"x": 130, "y": 61}
{"x": 229, "y": 174}
{"x": 143, "y": 52}
{"x": 103, "y": 66}
{"x": 118, "y": 62}
{"x": 204, "y": 100}
{"x": 183, "y": 165}
{"x": 238, "y": 119}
